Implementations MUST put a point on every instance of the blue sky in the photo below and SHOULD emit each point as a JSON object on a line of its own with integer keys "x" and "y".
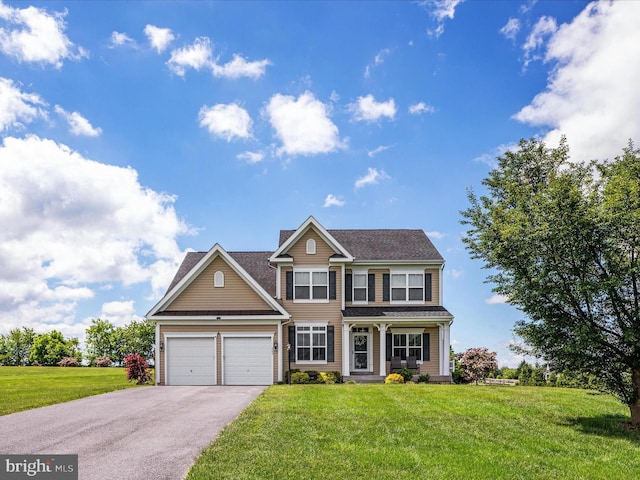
{"x": 133, "y": 132}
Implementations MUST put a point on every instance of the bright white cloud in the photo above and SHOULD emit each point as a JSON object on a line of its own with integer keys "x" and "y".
{"x": 435, "y": 234}
{"x": 511, "y": 28}
{"x": 497, "y": 299}
{"x": 368, "y": 110}
{"x": 377, "y": 150}
{"x": 543, "y": 29}
{"x": 251, "y": 157}
{"x": 33, "y": 35}
{"x": 239, "y": 67}
{"x": 332, "y": 201}
{"x": 118, "y": 39}
{"x": 119, "y": 313}
{"x": 303, "y": 125}
{"x": 70, "y": 225}
{"x": 17, "y": 107}
{"x": 159, "y": 38}
{"x": 420, "y": 108}
{"x": 78, "y": 125}
{"x": 372, "y": 177}
{"x": 440, "y": 10}
{"x": 196, "y": 56}
{"x": 592, "y": 95}
{"x": 227, "y": 121}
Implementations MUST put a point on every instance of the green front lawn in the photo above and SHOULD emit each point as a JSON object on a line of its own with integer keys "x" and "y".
{"x": 22, "y": 388}
{"x": 425, "y": 432}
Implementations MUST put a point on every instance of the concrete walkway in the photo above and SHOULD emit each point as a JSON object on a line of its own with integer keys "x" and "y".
{"x": 136, "y": 434}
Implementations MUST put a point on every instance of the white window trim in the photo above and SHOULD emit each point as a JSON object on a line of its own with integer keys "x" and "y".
{"x": 218, "y": 279}
{"x": 326, "y": 342}
{"x": 311, "y": 271}
{"x": 406, "y": 272}
{"x": 366, "y": 287}
{"x": 311, "y": 246}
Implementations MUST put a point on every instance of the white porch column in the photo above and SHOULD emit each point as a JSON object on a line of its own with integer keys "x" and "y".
{"x": 156, "y": 359}
{"x": 446, "y": 347}
{"x": 281, "y": 348}
{"x": 345, "y": 350}
{"x": 382, "y": 328}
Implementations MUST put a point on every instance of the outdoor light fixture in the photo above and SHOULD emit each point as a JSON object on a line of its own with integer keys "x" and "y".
{"x": 161, "y": 346}
{"x": 275, "y": 345}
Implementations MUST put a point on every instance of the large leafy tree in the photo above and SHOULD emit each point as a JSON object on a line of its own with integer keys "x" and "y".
{"x": 15, "y": 347}
{"x": 103, "y": 340}
{"x": 138, "y": 337}
{"x": 562, "y": 241}
{"x": 49, "y": 348}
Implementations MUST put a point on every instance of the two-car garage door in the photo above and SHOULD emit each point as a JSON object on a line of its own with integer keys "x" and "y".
{"x": 246, "y": 360}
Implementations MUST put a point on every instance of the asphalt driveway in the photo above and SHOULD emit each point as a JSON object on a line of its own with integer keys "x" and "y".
{"x": 135, "y": 434}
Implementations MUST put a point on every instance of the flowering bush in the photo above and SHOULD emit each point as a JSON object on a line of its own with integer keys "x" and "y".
{"x": 137, "y": 368}
{"x": 68, "y": 362}
{"x": 103, "y": 362}
{"x": 394, "y": 378}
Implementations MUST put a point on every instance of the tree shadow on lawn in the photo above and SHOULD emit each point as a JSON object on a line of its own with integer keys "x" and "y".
{"x": 615, "y": 426}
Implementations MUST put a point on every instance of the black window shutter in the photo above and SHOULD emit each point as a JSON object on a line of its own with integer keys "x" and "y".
{"x": 386, "y": 287}
{"x": 372, "y": 287}
{"x": 348, "y": 284}
{"x": 292, "y": 342}
{"x": 330, "y": 343}
{"x": 289, "y": 292}
{"x": 332, "y": 285}
{"x": 425, "y": 347}
{"x": 427, "y": 287}
{"x": 389, "y": 346}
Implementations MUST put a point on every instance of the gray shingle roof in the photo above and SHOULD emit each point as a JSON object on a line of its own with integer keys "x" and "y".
{"x": 400, "y": 311}
{"x": 394, "y": 244}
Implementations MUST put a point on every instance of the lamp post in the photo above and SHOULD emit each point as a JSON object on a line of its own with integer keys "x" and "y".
{"x": 289, "y": 357}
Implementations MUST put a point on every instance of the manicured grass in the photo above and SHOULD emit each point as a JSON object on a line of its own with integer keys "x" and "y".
{"x": 425, "y": 432}
{"x": 22, "y": 388}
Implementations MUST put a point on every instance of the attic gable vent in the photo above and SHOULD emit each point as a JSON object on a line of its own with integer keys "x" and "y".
{"x": 218, "y": 279}
{"x": 311, "y": 247}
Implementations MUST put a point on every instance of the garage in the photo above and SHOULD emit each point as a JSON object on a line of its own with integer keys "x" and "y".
{"x": 191, "y": 360}
{"x": 247, "y": 360}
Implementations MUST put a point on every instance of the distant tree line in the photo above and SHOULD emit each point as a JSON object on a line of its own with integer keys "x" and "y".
{"x": 23, "y": 346}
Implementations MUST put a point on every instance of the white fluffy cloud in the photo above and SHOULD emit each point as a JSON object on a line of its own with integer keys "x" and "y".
{"x": 118, "y": 39}
{"x": 332, "y": 201}
{"x": 368, "y": 110}
{"x": 78, "y": 125}
{"x": 372, "y": 177}
{"x": 196, "y": 56}
{"x": 71, "y": 224}
{"x": 17, "y": 107}
{"x": 497, "y": 299}
{"x": 440, "y": 10}
{"x": 251, "y": 157}
{"x": 119, "y": 313}
{"x": 302, "y": 125}
{"x": 226, "y": 121}
{"x": 420, "y": 108}
{"x": 239, "y": 67}
{"x": 543, "y": 29}
{"x": 159, "y": 38}
{"x": 592, "y": 95}
{"x": 33, "y": 35}
{"x": 511, "y": 28}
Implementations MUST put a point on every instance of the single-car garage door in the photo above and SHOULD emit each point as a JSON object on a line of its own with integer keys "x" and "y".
{"x": 191, "y": 361}
{"x": 247, "y": 361}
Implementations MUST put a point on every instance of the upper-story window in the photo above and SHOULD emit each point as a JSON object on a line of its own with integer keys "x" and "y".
{"x": 311, "y": 284}
{"x": 360, "y": 281}
{"x": 407, "y": 287}
{"x": 218, "y": 279}
{"x": 311, "y": 247}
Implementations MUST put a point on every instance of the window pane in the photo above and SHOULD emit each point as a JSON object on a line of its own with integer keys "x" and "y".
{"x": 416, "y": 280}
{"x": 359, "y": 280}
{"x": 400, "y": 352}
{"x": 320, "y": 293}
{"x": 415, "y": 339}
{"x": 398, "y": 294}
{"x": 399, "y": 339}
{"x": 319, "y": 278}
{"x": 319, "y": 353}
{"x": 303, "y": 340}
{"x": 399, "y": 280}
{"x": 302, "y": 278}
{"x": 304, "y": 354}
{"x": 302, "y": 292}
{"x": 415, "y": 352}
{"x": 415, "y": 294}
{"x": 319, "y": 340}
{"x": 360, "y": 294}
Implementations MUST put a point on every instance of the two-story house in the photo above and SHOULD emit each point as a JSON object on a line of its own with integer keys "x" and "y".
{"x": 325, "y": 300}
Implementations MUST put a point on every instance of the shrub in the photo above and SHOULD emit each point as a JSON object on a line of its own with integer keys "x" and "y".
{"x": 290, "y": 372}
{"x": 300, "y": 377}
{"x": 394, "y": 378}
{"x": 314, "y": 376}
{"x": 103, "y": 362}
{"x": 137, "y": 368}
{"x": 327, "y": 377}
{"x": 68, "y": 362}
{"x": 424, "y": 378}
{"x": 406, "y": 373}
{"x": 338, "y": 377}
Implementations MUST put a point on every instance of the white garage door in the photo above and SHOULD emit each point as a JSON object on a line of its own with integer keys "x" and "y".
{"x": 191, "y": 361}
{"x": 247, "y": 361}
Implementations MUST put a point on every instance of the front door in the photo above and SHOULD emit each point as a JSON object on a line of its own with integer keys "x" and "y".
{"x": 360, "y": 345}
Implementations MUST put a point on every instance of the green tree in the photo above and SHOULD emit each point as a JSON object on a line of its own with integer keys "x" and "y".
{"x": 138, "y": 337}
{"x": 50, "y": 348}
{"x": 563, "y": 241}
{"x": 15, "y": 347}
{"x": 103, "y": 340}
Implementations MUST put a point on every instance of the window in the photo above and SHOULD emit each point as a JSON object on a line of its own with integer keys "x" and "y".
{"x": 311, "y": 285}
{"x": 311, "y": 343}
{"x": 359, "y": 287}
{"x": 407, "y": 345}
{"x": 218, "y": 279}
{"x": 311, "y": 247}
{"x": 407, "y": 287}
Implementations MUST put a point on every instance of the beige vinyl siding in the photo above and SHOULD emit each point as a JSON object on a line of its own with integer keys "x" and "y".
{"x": 218, "y": 330}
{"x": 379, "y": 272}
{"x": 335, "y": 366}
{"x": 202, "y": 295}
{"x": 299, "y": 250}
